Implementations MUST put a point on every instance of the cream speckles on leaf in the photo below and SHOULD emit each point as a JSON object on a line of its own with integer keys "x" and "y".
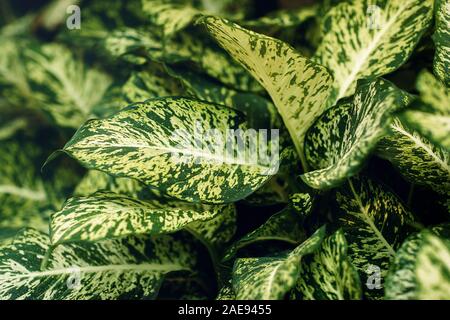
{"x": 340, "y": 141}
{"x": 142, "y": 142}
{"x": 441, "y": 39}
{"x": 129, "y": 268}
{"x": 421, "y": 268}
{"x": 433, "y": 119}
{"x": 105, "y": 215}
{"x": 271, "y": 278}
{"x": 328, "y": 274}
{"x": 370, "y": 38}
{"x": 298, "y": 87}
{"x": 373, "y": 220}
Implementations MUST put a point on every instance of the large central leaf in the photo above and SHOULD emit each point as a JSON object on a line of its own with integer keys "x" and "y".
{"x": 370, "y": 38}
{"x": 298, "y": 87}
{"x": 178, "y": 145}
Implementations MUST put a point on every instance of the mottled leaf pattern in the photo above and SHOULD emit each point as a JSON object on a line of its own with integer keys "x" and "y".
{"x": 298, "y": 87}
{"x": 270, "y": 278}
{"x": 373, "y": 220}
{"x": 139, "y": 142}
{"x": 433, "y": 120}
{"x": 282, "y": 226}
{"x": 441, "y": 39}
{"x": 127, "y": 268}
{"x": 370, "y": 38}
{"x": 329, "y": 274}
{"x": 106, "y": 215}
{"x": 420, "y": 269}
{"x": 416, "y": 158}
{"x": 343, "y": 137}
{"x": 63, "y": 86}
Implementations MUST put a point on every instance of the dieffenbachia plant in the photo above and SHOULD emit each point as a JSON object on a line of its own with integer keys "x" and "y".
{"x": 225, "y": 150}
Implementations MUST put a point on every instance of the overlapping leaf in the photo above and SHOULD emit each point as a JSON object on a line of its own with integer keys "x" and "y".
{"x": 270, "y": 278}
{"x": 282, "y": 226}
{"x": 343, "y": 137}
{"x": 416, "y": 158}
{"x": 129, "y": 268}
{"x": 370, "y": 38}
{"x": 433, "y": 119}
{"x": 374, "y": 222}
{"x": 329, "y": 274}
{"x": 420, "y": 269}
{"x": 298, "y": 87}
{"x": 168, "y": 144}
{"x": 106, "y": 215}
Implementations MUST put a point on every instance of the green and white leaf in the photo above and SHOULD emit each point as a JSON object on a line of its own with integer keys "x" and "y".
{"x": 340, "y": 141}
{"x": 261, "y": 113}
{"x": 106, "y": 215}
{"x": 420, "y": 269}
{"x": 156, "y": 142}
{"x": 63, "y": 85}
{"x": 373, "y": 220}
{"x": 297, "y": 86}
{"x": 433, "y": 122}
{"x": 416, "y": 158}
{"x": 329, "y": 273}
{"x": 130, "y": 268}
{"x": 271, "y": 278}
{"x": 302, "y": 203}
{"x": 283, "y": 226}
{"x": 368, "y": 39}
{"x": 441, "y": 37}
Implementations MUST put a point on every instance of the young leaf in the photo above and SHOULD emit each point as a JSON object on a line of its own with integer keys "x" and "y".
{"x": 434, "y": 121}
{"x": 282, "y": 226}
{"x": 420, "y": 270}
{"x": 338, "y": 144}
{"x": 106, "y": 215}
{"x": 373, "y": 220}
{"x": 165, "y": 144}
{"x": 441, "y": 37}
{"x": 416, "y": 158}
{"x": 270, "y": 278}
{"x": 298, "y": 87}
{"x": 369, "y": 39}
{"x": 329, "y": 274}
{"x": 129, "y": 268}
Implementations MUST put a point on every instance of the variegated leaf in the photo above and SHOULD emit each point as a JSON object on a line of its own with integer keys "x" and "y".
{"x": 270, "y": 278}
{"x": 432, "y": 120}
{"x": 343, "y": 137}
{"x": 369, "y": 38}
{"x": 282, "y": 18}
{"x": 298, "y": 87}
{"x": 64, "y": 86}
{"x": 302, "y": 203}
{"x": 169, "y": 144}
{"x": 421, "y": 268}
{"x": 130, "y": 268}
{"x": 139, "y": 45}
{"x": 441, "y": 39}
{"x": 106, "y": 215}
{"x": 261, "y": 113}
{"x": 329, "y": 274}
{"x": 416, "y": 158}
{"x": 24, "y": 200}
{"x": 374, "y": 222}
{"x": 283, "y": 226}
